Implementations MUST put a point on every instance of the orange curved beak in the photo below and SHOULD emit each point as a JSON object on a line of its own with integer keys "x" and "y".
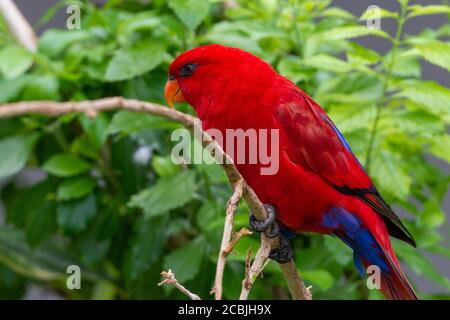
{"x": 173, "y": 93}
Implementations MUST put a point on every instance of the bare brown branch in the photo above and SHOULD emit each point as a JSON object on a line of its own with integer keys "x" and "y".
{"x": 246, "y": 283}
{"x": 236, "y": 237}
{"x": 169, "y": 278}
{"x": 260, "y": 262}
{"x": 226, "y": 238}
{"x": 296, "y": 286}
{"x": 18, "y": 25}
{"x": 51, "y": 108}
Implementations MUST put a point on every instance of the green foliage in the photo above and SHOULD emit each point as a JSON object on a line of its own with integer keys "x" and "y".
{"x": 14, "y": 152}
{"x": 14, "y": 61}
{"x": 128, "y": 63}
{"x": 65, "y": 165}
{"x": 124, "y": 218}
{"x": 168, "y": 193}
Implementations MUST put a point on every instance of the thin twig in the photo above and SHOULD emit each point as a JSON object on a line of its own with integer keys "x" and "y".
{"x": 261, "y": 260}
{"x": 236, "y": 237}
{"x": 226, "y": 238}
{"x": 92, "y": 107}
{"x": 169, "y": 278}
{"x": 18, "y": 25}
{"x": 247, "y": 282}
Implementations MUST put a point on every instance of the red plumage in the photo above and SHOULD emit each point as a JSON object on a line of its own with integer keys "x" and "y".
{"x": 232, "y": 89}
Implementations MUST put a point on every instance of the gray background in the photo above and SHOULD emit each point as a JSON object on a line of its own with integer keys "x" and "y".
{"x": 34, "y": 9}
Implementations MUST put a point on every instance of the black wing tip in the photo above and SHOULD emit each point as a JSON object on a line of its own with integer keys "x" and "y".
{"x": 398, "y": 230}
{"x": 393, "y": 223}
{"x": 411, "y": 239}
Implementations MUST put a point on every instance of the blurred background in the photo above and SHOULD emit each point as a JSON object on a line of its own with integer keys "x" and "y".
{"x": 104, "y": 195}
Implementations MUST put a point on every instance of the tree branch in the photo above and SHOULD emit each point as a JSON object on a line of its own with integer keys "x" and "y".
{"x": 169, "y": 278}
{"x": 296, "y": 286}
{"x": 255, "y": 269}
{"x": 226, "y": 238}
{"x": 237, "y": 236}
{"x": 18, "y": 25}
{"x": 91, "y": 108}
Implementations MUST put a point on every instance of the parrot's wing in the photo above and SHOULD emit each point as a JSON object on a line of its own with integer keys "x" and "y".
{"x": 316, "y": 144}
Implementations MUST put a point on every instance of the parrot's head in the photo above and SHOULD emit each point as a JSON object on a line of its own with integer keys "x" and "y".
{"x": 211, "y": 75}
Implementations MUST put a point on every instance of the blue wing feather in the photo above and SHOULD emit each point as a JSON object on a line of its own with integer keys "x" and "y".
{"x": 349, "y": 229}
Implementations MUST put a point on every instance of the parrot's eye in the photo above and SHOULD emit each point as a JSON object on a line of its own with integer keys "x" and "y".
{"x": 188, "y": 69}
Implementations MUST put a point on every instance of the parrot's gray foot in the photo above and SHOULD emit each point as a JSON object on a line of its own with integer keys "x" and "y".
{"x": 282, "y": 254}
{"x": 271, "y": 229}
{"x": 269, "y": 226}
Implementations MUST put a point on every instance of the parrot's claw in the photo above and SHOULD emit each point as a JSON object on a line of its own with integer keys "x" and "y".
{"x": 282, "y": 254}
{"x": 269, "y": 226}
{"x": 271, "y": 229}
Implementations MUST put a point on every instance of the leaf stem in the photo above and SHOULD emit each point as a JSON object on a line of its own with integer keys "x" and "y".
{"x": 387, "y": 77}
{"x": 297, "y": 38}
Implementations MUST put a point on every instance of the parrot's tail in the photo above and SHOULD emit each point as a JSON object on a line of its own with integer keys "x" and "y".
{"x": 371, "y": 255}
{"x": 394, "y": 284}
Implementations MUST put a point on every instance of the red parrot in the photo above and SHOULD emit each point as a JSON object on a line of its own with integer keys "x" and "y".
{"x": 320, "y": 186}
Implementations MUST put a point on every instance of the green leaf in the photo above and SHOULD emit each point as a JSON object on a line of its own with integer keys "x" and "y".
{"x": 436, "y": 52}
{"x": 74, "y": 216}
{"x": 164, "y": 166}
{"x": 190, "y": 12}
{"x": 442, "y": 250}
{"x": 339, "y": 250}
{"x": 14, "y": 61}
{"x": 351, "y": 117}
{"x": 75, "y": 188}
{"x": 361, "y": 55}
{"x": 131, "y": 62}
{"x": 48, "y": 262}
{"x": 127, "y": 122}
{"x": 209, "y": 217}
{"x": 13, "y": 285}
{"x": 10, "y": 88}
{"x": 440, "y": 147}
{"x": 41, "y": 223}
{"x": 14, "y": 153}
{"x": 291, "y": 68}
{"x": 192, "y": 253}
{"x": 65, "y": 165}
{"x": 434, "y": 97}
{"x": 27, "y": 200}
{"x": 33, "y": 209}
{"x": 419, "y": 10}
{"x": 418, "y": 122}
{"x": 54, "y": 41}
{"x": 354, "y": 89}
{"x": 405, "y": 65}
{"x": 168, "y": 193}
{"x": 349, "y": 32}
{"x": 96, "y": 129}
{"x": 84, "y": 146}
{"x": 147, "y": 246}
{"x": 328, "y": 63}
{"x": 389, "y": 172}
{"x": 432, "y": 215}
{"x": 235, "y": 34}
{"x": 43, "y": 87}
{"x": 320, "y": 278}
{"x": 420, "y": 264}
{"x": 339, "y": 33}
